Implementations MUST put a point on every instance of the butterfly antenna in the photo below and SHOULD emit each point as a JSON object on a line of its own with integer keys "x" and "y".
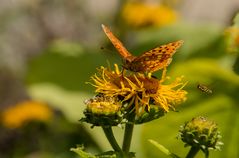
{"x": 108, "y": 64}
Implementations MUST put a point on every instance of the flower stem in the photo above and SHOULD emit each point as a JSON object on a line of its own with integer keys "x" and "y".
{"x": 128, "y": 133}
{"x": 110, "y": 136}
{"x": 193, "y": 151}
{"x": 206, "y": 154}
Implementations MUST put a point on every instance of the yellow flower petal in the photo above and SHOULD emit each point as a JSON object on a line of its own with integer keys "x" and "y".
{"x": 139, "y": 90}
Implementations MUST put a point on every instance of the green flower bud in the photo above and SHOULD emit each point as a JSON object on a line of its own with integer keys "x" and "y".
{"x": 148, "y": 115}
{"x": 201, "y": 133}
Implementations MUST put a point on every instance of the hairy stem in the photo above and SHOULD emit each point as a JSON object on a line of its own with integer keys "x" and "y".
{"x": 128, "y": 132}
{"x": 193, "y": 151}
{"x": 110, "y": 136}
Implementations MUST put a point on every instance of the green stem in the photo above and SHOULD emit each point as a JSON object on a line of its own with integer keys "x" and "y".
{"x": 128, "y": 132}
{"x": 206, "y": 154}
{"x": 193, "y": 151}
{"x": 110, "y": 136}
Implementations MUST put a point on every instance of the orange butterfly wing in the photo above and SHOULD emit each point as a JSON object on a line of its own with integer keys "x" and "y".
{"x": 149, "y": 61}
{"x": 117, "y": 44}
{"x": 156, "y": 58}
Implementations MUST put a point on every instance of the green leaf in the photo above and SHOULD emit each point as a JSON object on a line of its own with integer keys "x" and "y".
{"x": 163, "y": 149}
{"x": 80, "y": 151}
{"x": 195, "y": 45}
{"x": 109, "y": 154}
{"x": 71, "y": 103}
{"x": 236, "y": 20}
{"x": 114, "y": 154}
{"x": 65, "y": 48}
{"x": 58, "y": 65}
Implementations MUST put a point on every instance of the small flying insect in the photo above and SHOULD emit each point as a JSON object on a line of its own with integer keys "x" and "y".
{"x": 204, "y": 88}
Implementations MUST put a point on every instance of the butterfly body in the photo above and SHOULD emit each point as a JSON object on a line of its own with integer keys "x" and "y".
{"x": 150, "y": 61}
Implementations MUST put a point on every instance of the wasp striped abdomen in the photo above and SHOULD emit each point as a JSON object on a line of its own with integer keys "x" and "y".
{"x": 204, "y": 88}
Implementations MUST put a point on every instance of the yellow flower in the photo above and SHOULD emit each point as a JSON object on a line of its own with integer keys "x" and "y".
{"x": 104, "y": 105}
{"x": 103, "y": 110}
{"x": 139, "y": 90}
{"x": 139, "y": 14}
{"x": 24, "y": 112}
{"x": 232, "y": 38}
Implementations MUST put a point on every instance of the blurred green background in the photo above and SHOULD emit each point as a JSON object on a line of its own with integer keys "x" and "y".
{"x": 49, "y": 49}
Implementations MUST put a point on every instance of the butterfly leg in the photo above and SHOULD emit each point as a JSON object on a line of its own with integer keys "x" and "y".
{"x": 149, "y": 75}
{"x": 163, "y": 75}
{"x": 122, "y": 73}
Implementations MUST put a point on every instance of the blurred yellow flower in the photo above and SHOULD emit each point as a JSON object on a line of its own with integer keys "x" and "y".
{"x": 24, "y": 112}
{"x": 139, "y": 90}
{"x": 139, "y": 14}
{"x": 232, "y": 39}
{"x": 232, "y": 36}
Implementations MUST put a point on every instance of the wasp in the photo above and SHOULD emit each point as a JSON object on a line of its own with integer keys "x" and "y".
{"x": 204, "y": 88}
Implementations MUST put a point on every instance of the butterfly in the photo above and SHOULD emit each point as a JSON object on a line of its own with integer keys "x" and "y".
{"x": 204, "y": 88}
{"x": 148, "y": 62}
